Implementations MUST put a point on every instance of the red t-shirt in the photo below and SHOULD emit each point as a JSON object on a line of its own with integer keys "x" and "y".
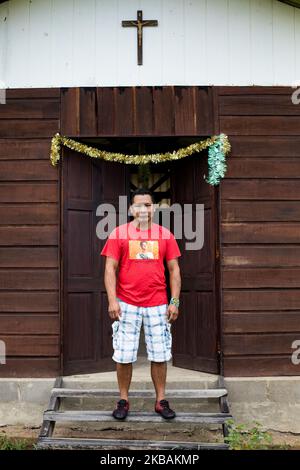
{"x": 141, "y": 253}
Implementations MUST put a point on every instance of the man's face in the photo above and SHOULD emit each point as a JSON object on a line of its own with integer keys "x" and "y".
{"x": 142, "y": 208}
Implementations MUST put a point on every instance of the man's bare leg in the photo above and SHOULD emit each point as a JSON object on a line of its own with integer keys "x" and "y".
{"x": 159, "y": 377}
{"x": 124, "y": 374}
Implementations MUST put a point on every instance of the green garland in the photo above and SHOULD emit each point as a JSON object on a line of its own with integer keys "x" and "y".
{"x": 217, "y": 162}
{"x": 218, "y": 148}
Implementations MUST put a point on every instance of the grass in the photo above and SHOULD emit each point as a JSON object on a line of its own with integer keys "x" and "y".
{"x": 10, "y": 443}
{"x": 250, "y": 437}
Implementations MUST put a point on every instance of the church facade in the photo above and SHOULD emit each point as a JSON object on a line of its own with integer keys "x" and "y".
{"x": 196, "y": 70}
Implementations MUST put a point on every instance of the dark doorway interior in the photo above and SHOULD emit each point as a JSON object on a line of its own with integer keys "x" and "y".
{"x": 87, "y": 183}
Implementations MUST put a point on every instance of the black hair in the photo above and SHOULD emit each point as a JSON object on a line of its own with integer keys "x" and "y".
{"x": 141, "y": 192}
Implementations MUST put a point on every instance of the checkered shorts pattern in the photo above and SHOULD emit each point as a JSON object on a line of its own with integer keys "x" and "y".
{"x": 126, "y": 333}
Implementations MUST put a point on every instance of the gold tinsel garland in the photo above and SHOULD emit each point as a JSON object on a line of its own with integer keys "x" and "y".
{"x": 93, "y": 152}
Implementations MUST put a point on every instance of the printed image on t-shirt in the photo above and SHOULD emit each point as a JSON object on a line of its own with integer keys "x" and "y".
{"x": 143, "y": 249}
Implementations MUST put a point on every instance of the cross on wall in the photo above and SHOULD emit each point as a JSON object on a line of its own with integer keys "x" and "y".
{"x": 139, "y": 24}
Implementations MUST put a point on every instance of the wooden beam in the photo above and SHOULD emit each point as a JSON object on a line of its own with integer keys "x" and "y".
{"x": 135, "y": 416}
{"x": 76, "y": 393}
{"x": 293, "y": 3}
{"x": 59, "y": 443}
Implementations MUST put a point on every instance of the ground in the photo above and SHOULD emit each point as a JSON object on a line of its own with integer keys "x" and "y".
{"x": 30, "y": 434}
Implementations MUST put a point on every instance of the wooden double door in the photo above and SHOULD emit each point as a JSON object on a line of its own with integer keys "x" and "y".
{"x": 87, "y": 345}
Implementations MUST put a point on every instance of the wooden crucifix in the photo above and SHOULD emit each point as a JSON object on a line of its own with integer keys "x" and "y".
{"x": 139, "y": 24}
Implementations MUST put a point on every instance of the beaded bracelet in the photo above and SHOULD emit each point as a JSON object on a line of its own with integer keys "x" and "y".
{"x": 174, "y": 301}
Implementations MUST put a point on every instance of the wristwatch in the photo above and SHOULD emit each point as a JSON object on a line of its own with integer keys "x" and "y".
{"x": 174, "y": 301}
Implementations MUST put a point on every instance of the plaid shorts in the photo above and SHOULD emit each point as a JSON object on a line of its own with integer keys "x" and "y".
{"x": 126, "y": 333}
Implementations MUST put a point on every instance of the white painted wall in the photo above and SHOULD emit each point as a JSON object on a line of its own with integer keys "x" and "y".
{"x": 3, "y": 40}
{"x": 53, "y": 43}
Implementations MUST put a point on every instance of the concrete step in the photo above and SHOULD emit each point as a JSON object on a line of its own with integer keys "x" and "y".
{"x": 202, "y": 400}
{"x": 138, "y": 384}
{"x": 139, "y": 404}
{"x": 141, "y": 378}
{"x": 145, "y": 400}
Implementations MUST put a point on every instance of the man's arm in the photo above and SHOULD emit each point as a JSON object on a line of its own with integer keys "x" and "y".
{"x": 110, "y": 282}
{"x": 175, "y": 286}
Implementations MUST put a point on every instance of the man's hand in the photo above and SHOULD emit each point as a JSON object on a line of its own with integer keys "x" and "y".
{"x": 172, "y": 313}
{"x": 114, "y": 310}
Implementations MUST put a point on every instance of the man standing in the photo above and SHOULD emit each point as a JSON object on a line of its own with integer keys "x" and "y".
{"x": 138, "y": 295}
